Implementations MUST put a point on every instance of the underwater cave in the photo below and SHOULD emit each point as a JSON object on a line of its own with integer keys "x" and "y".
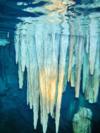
{"x": 49, "y": 66}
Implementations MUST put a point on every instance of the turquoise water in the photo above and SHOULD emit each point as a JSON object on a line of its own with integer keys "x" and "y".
{"x": 15, "y": 115}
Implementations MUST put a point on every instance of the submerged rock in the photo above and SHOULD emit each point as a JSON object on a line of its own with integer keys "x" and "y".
{"x": 82, "y": 121}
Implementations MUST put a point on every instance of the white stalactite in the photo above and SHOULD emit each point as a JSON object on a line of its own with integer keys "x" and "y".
{"x": 52, "y": 54}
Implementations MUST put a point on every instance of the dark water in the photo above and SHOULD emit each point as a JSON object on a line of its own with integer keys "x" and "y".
{"x": 15, "y": 115}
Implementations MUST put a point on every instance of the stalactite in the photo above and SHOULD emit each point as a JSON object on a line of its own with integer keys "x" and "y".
{"x": 79, "y": 66}
{"x": 52, "y": 54}
{"x": 61, "y": 75}
{"x": 45, "y": 62}
{"x": 93, "y": 44}
{"x": 91, "y": 63}
{"x": 92, "y": 83}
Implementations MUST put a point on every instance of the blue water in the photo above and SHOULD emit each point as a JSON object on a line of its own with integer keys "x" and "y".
{"x": 15, "y": 115}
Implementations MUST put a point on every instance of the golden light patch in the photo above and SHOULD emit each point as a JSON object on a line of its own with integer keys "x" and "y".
{"x": 56, "y": 6}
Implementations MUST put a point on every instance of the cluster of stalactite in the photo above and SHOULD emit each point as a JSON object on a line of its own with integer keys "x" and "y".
{"x": 84, "y": 57}
{"x": 53, "y": 54}
{"x": 41, "y": 48}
